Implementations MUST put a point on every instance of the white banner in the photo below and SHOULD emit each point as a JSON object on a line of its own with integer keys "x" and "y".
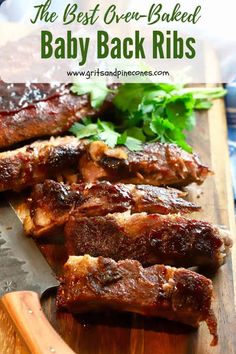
{"x": 125, "y": 41}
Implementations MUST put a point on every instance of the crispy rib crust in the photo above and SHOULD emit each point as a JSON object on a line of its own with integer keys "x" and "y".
{"x": 97, "y": 284}
{"x": 157, "y": 164}
{"x": 51, "y": 203}
{"x": 52, "y": 114}
{"x": 36, "y": 162}
{"x": 150, "y": 239}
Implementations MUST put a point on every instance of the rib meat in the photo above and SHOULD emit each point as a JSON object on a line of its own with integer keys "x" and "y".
{"x": 35, "y": 110}
{"x": 150, "y": 239}
{"x": 98, "y": 284}
{"x": 36, "y": 162}
{"x": 157, "y": 164}
{"x": 51, "y": 203}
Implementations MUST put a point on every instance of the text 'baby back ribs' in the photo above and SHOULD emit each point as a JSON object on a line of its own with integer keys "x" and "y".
{"x": 51, "y": 203}
{"x": 150, "y": 239}
{"x": 157, "y": 164}
{"x": 98, "y": 284}
{"x": 35, "y": 110}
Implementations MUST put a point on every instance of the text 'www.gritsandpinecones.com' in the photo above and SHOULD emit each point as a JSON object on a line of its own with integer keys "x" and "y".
{"x": 88, "y": 74}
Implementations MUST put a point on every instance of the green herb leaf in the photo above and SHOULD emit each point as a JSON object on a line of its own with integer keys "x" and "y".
{"x": 133, "y": 144}
{"x": 147, "y": 112}
{"x": 133, "y": 94}
{"x": 122, "y": 138}
{"x": 108, "y": 133}
{"x": 97, "y": 91}
{"x": 136, "y": 133}
{"x": 203, "y": 104}
{"x": 84, "y": 131}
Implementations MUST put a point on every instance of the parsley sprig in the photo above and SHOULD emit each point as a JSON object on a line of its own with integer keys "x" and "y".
{"x": 145, "y": 113}
{"x": 105, "y": 131}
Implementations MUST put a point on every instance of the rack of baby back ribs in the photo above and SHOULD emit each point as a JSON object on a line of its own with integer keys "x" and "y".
{"x": 125, "y": 232}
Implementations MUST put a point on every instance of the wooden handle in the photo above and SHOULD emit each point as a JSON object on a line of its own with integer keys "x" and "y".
{"x": 26, "y": 313}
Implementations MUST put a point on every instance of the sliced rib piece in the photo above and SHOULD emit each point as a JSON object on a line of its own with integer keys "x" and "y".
{"x": 157, "y": 164}
{"x": 51, "y": 203}
{"x": 35, "y": 110}
{"x": 98, "y": 284}
{"x": 150, "y": 239}
{"x": 36, "y": 162}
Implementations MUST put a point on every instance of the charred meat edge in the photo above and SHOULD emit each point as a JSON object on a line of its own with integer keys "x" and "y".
{"x": 98, "y": 284}
{"x": 51, "y": 203}
{"x": 46, "y": 110}
{"x": 72, "y": 159}
{"x": 150, "y": 239}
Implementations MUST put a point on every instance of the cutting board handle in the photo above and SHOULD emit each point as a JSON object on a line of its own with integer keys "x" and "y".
{"x": 27, "y": 315}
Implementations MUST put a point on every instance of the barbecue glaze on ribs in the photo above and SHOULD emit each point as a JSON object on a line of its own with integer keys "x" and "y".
{"x": 157, "y": 164}
{"x": 150, "y": 239}
{"x": 35, "y": 110}
{"x": 98, "y": 284}
{"x": 51, "y": 203}
{"x": 34, "y": 163}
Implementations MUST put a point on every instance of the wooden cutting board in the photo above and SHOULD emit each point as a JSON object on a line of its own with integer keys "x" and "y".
{"x": 109, "y": 334}
{"x": 132, "y": 334}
